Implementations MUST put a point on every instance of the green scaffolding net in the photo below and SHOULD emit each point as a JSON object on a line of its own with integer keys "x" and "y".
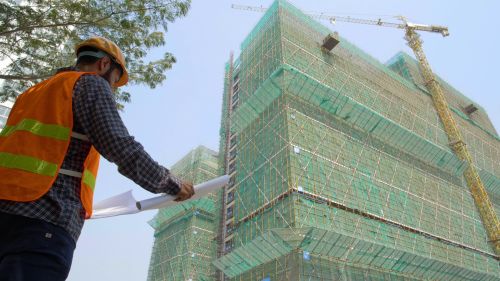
{"x": 342, "y": 169}
{"x": 184, "y": 246}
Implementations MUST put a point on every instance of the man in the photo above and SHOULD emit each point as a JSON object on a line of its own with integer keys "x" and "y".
{"x": 49, "y": 157}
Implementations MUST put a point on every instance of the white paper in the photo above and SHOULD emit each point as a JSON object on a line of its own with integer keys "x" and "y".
{"x": 200, "y": 190}
{"x": 125, "y": 203}
{"x": 121, "y": 204}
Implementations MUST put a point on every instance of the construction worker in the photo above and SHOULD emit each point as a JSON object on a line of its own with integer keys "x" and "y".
{"x": 49, "y": 157}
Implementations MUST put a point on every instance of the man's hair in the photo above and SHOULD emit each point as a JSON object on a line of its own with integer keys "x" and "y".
{"x": 87, "y": 60}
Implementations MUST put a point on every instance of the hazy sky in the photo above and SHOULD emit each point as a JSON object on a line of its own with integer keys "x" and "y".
{"x": 185, "y": 112}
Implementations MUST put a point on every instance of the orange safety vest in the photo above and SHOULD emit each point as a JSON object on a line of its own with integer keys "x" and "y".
{"x": 34, "y": 142}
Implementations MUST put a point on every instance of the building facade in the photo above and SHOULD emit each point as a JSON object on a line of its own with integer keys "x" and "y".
{"x": 340, "y": 167}
{"x": 5, "y": 108}
{"x": 185, "y": 235}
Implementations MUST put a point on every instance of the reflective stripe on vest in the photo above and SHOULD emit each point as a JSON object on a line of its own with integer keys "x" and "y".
{"x": 26, "y": 163}
{"x": 34, "y": 143}
{"x": 38, "y": 128}
{"x": 89, "y": 179}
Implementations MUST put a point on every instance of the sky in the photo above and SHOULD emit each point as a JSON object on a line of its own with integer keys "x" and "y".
{"x": 185, "y": 111}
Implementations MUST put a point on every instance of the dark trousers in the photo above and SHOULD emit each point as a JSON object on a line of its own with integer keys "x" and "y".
{"x": 32, "y": 249}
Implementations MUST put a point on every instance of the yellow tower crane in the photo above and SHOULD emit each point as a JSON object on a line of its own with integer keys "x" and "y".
{"x": 456, "y": 142}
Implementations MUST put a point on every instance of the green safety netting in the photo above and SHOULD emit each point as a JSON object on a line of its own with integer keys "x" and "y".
{"x": 345, "y": 129}
{"x": 184, "y": 247}
{"x": 339, "y": 247}
{"x": 184, "y": 250}
{"x": 408, "y": 67}
{"x": 289, "y": 80}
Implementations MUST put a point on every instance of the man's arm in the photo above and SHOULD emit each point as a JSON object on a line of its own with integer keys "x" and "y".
{"x": 95, "y": 110}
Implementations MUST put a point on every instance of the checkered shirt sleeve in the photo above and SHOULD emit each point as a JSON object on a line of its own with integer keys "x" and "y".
{"x": 95, "y": 108}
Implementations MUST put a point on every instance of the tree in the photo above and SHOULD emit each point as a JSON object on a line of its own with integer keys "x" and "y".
{"x": 38, "y": 36}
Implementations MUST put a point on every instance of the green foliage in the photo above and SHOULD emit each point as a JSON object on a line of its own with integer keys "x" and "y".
{"x": 38, "y": 36}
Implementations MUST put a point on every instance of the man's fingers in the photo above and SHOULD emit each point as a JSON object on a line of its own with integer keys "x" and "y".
{"x": 190, "y": 189}
{"x": 186, "y": 192}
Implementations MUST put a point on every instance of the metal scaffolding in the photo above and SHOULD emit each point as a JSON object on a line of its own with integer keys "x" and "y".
{"x": 184, "y": 246}
{"x": 341, "y": 167}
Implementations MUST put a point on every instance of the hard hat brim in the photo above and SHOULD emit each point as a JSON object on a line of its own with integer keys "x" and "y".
{"x": 123, "y": 79}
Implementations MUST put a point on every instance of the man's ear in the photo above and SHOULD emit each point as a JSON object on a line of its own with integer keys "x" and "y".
{"x": 104, "y": 64}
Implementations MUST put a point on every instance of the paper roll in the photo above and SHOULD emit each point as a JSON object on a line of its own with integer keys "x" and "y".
{"x": 200, "y": 190}
{"x": 125, "y": 203}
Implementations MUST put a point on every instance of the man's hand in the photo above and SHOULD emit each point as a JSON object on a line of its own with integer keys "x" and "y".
{"x": 186, "y": 192}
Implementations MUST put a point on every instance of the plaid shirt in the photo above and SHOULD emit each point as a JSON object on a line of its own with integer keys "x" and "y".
{"x": 95, "y": 115}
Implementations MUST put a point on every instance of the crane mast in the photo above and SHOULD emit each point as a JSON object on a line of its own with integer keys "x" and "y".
{"x": 471, "y": 175}
{"x": 477, "y": 189}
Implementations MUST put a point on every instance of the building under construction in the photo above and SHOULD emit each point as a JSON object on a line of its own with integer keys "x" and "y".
{"x": 341, "y": 168}
{"x": 185, "y": 245}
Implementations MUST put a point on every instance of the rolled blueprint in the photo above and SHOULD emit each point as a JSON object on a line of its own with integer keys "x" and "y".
{"x": 121, "y": 204}
{"x": 125, "y": 203}
{"x": 200, "y": 190}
